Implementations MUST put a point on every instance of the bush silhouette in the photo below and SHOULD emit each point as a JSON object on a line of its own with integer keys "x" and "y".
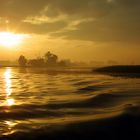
{"x": 22, "y": 61}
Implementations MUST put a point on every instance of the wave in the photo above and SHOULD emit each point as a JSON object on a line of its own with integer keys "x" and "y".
{"x": 60, "y": 109}
{"x": 69, "y": 106}
{"x": 90, "y": 88}
{"x": 125, "y": 125}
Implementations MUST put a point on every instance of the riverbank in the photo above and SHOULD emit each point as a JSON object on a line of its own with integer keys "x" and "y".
{"x": 120, "y": 70}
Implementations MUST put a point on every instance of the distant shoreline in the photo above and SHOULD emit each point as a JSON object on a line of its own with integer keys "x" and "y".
{"x": 120, "y": 70}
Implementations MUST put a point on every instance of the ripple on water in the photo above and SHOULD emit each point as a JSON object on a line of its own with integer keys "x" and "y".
{"x": 64, "y": 101}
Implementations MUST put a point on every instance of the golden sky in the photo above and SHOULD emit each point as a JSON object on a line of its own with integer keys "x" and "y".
{"x": 82, "y": 30}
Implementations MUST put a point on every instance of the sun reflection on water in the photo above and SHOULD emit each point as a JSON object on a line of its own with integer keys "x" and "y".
{"x": 10, "y": 127}
{"x": 8, "y": 87}
{"x": 8, "y": 82}
{"x": 10, "y": 124}
{"x": 10, "y": 102}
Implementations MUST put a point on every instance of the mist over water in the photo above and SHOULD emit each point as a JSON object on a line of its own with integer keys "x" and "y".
{"x": 38, "y": 103}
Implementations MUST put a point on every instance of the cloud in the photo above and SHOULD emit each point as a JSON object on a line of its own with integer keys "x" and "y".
{"x": 21, "y": 8}
{"x": 93, "y": 20}
{"x": 119, "y": 23}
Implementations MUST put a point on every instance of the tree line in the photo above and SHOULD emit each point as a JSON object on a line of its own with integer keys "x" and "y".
{"x": 49, "y": 60}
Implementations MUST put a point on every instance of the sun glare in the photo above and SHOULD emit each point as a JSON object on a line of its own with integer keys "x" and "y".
{"x": 10, "y": 102}
{"x": 9, "y": 39}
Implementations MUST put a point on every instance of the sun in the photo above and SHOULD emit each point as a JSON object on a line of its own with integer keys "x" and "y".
{"x": 9, "y": 39}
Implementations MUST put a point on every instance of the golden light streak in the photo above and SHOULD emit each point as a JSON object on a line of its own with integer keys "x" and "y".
{"x": 8, "y": 83}
{"x": 8, "y": 89}
{"x": 10, "y": 126}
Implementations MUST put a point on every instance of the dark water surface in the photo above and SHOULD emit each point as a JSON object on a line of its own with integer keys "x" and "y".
{"x": 35, "y": 104}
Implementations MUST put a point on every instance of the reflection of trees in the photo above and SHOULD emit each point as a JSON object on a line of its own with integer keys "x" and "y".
{"x": 23, "y": 70}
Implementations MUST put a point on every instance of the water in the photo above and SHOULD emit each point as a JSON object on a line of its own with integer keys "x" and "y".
{"x": 37, "y": 103}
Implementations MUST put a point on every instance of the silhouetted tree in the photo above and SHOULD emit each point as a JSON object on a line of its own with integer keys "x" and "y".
{"x": 22, "y": 61}
{"x": 48, "y": 56}
{"x": 64, "y": 63}
{"x": 54, "y": 59}
{"x": 36, "y": 62}
{"x": 51, "y": 59}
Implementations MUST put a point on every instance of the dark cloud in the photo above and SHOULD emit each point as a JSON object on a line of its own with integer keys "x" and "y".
{"x": 21, "y": 8}
{"x": 116, "y": 20}
{"x": 119, "y": 23}
{"x": 81, "y": 7}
